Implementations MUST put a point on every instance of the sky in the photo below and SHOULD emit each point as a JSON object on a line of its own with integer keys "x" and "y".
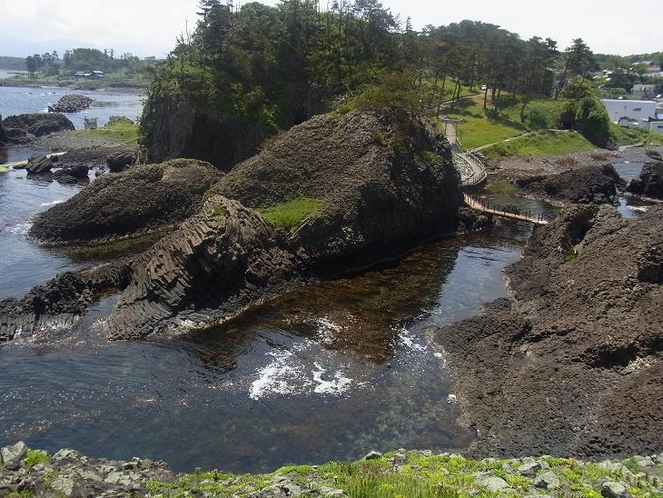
{"x": 151, "y": 27}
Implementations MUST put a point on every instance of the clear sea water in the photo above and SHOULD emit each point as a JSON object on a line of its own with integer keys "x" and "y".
{"x": 328, "y": 372}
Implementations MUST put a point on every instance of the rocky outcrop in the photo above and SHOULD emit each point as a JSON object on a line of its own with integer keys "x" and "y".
{"x": 38, "y": 165}
{"x": 118, "y": 161}
{"x": 172, "y": 127}
{"x": 650, "y": 182}
{"x": 586, "y": 185}
{"x": 382, "y": 184}
{"x": 214, "y": 265}
{"x": 60, "y": 302}
{"x": 68, "y": 473}
{"x": 23, "y": 127}
{"x": 376, "y": 200}
{"x": 141, "y": 200}
{"x": 4, "y": 138}
{"x": 95, "y": 157}
{"x": 572, "y": 364}
{"x": 71, "y": 103}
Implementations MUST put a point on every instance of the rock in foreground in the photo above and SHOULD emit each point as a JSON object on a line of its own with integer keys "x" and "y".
{"x": 572, "y": 365}
{"x": 650, "y": 181}
{"x": 70, "y": 474}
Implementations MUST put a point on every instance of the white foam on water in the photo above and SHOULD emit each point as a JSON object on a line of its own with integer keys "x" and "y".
{"x": 336, "y": 385}
{"x": 289, "y": 373}
{"x": 52, "y": 203}
{"x": 410, "y": 342}
{"x": 20, "y": 229}
{"x": 327, "y": 330}
{"x": 276, "y": 378}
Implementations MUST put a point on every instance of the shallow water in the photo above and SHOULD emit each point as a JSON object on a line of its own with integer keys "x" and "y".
{"x": 327, "y": 372}
{"x": 107, "y": 103}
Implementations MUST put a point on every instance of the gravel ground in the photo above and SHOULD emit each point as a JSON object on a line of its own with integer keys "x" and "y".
{"x": 66, "y": 141}
{"x": 511, "y": 169}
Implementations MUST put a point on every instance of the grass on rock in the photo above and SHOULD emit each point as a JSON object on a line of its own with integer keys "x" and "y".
{"x": 292, "y": 213}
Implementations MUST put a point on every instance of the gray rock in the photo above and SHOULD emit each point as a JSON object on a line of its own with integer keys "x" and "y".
{"x": 646, "y": 461}
{"x": 613, "y": 489}
{"x": 547, "y": 480}
{"x": 13, "y": 456}
{"x": 491, "y": 482}
{"x": 327, "y": 491}
{"x": 38, "y": 165}
{"x": 373, "y": 455}
{"x": 529, "y": 469}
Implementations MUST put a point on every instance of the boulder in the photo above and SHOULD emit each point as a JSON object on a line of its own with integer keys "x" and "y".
{"x": 120, "y": 160}
{"x": 141, "y": 200}
{"x": 38, "y": 165}
{"x": 71, "y": 103}
{"x": 12, "y": 456}
{"x": 38, "y": 124}
{"x": 650, "y": 181}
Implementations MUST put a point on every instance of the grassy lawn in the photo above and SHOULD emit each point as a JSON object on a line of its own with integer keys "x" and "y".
{"x": 478, "y": 127}
{"x": 541, "y": 143}
{"x": 121, "y": 132}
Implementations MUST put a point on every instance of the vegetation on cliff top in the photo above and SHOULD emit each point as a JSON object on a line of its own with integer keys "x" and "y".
{"x": 267, "y": 68}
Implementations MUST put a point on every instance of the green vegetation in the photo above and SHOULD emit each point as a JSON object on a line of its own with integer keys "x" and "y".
{"x": 36, "y": 456}
{"x": 548, "y": 142}
{"x": 110, "y": 250}
{"x": 120, "y": 131}
{"x": 292, "y": 213}
{"x": 81, "y": 68}
{"x": 415, "y": 475}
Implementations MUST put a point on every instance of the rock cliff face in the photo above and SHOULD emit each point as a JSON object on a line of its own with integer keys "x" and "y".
{"x": 140, "y": 200}
{"x": 383, "y": 185}
{"x": 171, "y": 127}
{"x": 572, "y": 364}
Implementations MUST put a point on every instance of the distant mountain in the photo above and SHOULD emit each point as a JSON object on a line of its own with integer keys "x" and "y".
{"x": 14, "y": 46}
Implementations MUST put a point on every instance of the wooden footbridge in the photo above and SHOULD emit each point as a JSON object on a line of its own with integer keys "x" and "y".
{"x": 479, "y": 205}
{"x": 473, "y": 174}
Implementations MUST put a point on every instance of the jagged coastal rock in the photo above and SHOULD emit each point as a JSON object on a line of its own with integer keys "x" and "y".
{"x": 571, "y": 365}
{"x": 4, "y": 138}
{"x": 141, "y": 200}
{"x": 650, "y": 182}
{"x": 24, "y": 127}
{"x": 374, "y": 202}
{"x": 379, "y": 185}
{"x": 586, "y": 185}
{"x": 71, "y": 102}
{"x": 38, "y": 165}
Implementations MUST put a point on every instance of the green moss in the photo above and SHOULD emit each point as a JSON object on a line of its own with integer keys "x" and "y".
{"x": 219, "y": 210}
{"x": 291, "y": 214}
{"x": 119, "y": 248}
{"x": 571, "y": 256}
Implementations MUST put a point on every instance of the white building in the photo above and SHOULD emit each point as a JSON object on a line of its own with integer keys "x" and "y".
{"x": 656, "y": 126}
{"x": 634, "y": 110}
